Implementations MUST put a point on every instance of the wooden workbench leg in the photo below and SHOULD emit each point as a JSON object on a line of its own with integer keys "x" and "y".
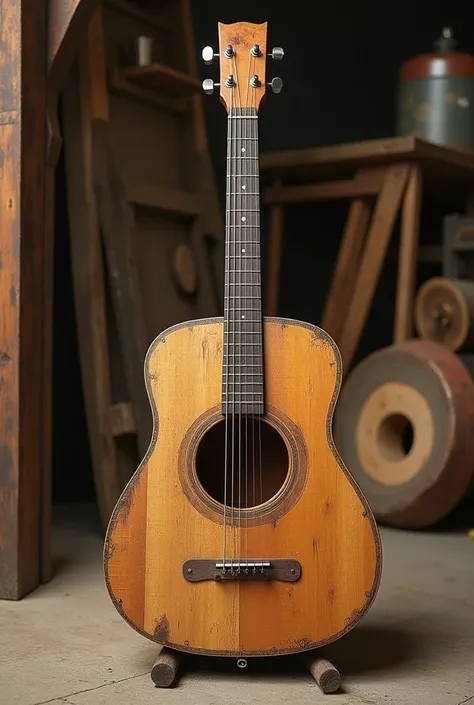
{"x": 407, "y": 261}
{"x": 347, "y": 264}
{"x": 386, "y": 210}
{"x": 275, "y": 247}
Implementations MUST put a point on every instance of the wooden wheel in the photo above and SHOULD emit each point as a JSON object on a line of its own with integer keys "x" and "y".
{"x": 404, "y": 428}
{"x": 444, "y": 312}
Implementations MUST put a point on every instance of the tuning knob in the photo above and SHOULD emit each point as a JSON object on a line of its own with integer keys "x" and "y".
{"x": 208, "y": 86}
{"x": 276, "y": 84}
{"x": 277, "y": 53}
{"x": 208, "y": 55}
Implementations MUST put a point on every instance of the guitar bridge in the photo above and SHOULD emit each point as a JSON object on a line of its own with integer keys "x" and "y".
{"x": 286, "y": 570}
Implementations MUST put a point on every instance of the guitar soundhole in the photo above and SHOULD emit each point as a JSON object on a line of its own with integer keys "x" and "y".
{"x": 257, "y": 462}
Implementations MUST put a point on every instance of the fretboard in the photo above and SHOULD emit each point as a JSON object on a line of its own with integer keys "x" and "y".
{"x": 242, "y": 380}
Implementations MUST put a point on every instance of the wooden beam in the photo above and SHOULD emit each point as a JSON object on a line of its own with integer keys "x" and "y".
{"x": 367, "y": 183}
{"x": 146, "y": 195}
{"x": 122, "y": 421}
{"x": 408, "y": 257}
{"x": 378, "y": 238}
{"x": 79, "y": 102}
{"x": 347, "y": 266}
{"x": 118, "y": 228}
{"x": 135, "y": 12}
{"x": 119, "y": 84}
{"x": 22, "y": 158}
{"x": 67, "y": 23}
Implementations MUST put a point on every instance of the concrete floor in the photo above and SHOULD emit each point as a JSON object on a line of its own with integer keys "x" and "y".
{"x": 65, "y": 643}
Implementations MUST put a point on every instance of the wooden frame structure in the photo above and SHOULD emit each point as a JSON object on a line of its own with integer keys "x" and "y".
{"x": 39, "y": 39}
{"x": 382, "y": 179}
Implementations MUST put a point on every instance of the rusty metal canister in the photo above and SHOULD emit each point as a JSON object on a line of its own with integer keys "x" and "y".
{"x": 436, "y": 95}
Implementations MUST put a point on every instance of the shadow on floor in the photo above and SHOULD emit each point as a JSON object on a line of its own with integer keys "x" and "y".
{"x": 367, "y": 648}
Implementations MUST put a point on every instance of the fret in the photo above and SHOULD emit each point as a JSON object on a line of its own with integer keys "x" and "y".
{"x": 243, "y": 374}
{"x": 246, "y": 320}
{"x": 246, "y": 345}
{"x": 245, "y": 242}
{"x": 244, "y": 354}
{"x": 247, "y": 393}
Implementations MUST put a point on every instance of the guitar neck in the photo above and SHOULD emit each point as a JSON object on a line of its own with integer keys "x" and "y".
{"x": 243, "y": 379}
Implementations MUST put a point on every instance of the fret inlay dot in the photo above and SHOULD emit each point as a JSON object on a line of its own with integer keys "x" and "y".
{"x": 244, "y": 187}
{"x": 243, "y": 149}
{"x": 243, "y": 219}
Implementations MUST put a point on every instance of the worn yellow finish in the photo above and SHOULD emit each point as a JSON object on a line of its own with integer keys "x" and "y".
{"x": 155, "y": 527}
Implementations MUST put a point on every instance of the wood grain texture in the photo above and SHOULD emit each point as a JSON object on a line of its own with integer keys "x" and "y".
{"x": 329, "y": 529}
{"x": 67, "y": 21}
{"x": 118, "y": 230}
{"x": 451, "y": 168}
{"x": 22, "y": 159}
{"x": 242, "y": 36}
{"x": 408, "y": 257}
{"x": 347, "y": 265}
{"x": 89, "y": 282}
{"x": 365, "y": 183}
{"x": 378, "y": 238}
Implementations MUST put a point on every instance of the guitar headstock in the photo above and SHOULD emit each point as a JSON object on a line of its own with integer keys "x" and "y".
{"x": 243, "y": 64}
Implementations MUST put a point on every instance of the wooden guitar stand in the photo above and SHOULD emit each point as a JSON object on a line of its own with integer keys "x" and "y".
{"x": 166, "y": 666}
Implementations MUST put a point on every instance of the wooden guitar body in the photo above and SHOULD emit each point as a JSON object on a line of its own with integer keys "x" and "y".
{"x": 312, "y": 509}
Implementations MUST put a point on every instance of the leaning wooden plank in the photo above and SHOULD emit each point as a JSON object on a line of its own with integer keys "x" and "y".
{"x": 22, "y": 152}
{"x": 118, "y": 232}
{"x": 380, "y": 231}
{"x": 67, "y": 23}
{"x": 347, "y": 266}
{"x": 408, "y": 257}
{"x": 88, "y": 282}
{"x": 211, "y": 223}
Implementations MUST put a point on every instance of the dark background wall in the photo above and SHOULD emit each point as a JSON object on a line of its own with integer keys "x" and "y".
{"x": 339, "y": 72}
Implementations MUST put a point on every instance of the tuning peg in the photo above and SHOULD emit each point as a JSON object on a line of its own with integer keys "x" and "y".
{"x": 277, "y": 53}
{"x": 208, "y": 55}
{"x": 276, "y": 84}
{"x": 208, "y": 86}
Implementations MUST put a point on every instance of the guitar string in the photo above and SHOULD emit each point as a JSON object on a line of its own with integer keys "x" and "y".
{"x": 260, "y": 327}
{"x": 245, "y": 201}
{"x": 238, "y": 171}
{"x": 226, "y": 337}
{"x": 238, "y": 299}
{"x": 231, "y": 334}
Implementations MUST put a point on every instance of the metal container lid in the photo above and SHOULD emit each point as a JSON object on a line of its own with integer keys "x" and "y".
{"x": 441, "y": 63}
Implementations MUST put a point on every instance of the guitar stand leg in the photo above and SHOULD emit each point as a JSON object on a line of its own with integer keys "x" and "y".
{"x": 166, "y": 667}
{"x": 324, "y": 673}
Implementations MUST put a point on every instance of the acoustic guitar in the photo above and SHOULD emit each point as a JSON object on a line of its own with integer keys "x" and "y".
{"x": 242, "y": 533}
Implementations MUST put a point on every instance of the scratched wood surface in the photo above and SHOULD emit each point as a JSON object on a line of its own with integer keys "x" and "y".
{"x": 22, "y": 155}
{"x": 329, "y": 529}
